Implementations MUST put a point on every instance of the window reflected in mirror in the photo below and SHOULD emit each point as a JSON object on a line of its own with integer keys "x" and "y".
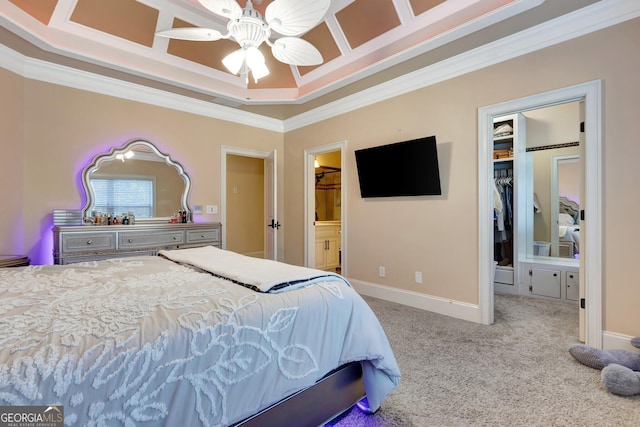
{"x": 137, "y": 179}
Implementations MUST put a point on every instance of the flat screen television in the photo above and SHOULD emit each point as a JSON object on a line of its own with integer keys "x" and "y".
{"x": 408, "y": 168}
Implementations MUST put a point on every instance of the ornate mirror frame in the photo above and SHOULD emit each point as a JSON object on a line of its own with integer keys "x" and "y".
{"x": 118, "y": 153}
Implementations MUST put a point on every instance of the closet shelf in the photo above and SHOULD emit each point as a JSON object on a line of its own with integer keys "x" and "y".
{"x": 506, "y": 159}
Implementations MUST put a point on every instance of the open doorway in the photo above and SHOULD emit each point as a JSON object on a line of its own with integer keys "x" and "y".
{"x": 591, "y": 204}
{"x": 325, "y": 213}
{"x": 249, "y": 216}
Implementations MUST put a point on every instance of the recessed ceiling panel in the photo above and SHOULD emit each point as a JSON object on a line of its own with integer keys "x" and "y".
{"x": 39, "y": 9}
{"x": 127, "y": 19}
{"x": 322, "y": 39}
{"x": 421, "y": 6}
{"x": 362, "y": 21}
{"x": 280, "y": 75}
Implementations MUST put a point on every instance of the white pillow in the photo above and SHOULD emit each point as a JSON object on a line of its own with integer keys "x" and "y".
{"x": 565, "y": 219}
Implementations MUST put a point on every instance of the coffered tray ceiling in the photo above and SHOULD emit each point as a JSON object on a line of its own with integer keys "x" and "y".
{"x": 358, "y": 40}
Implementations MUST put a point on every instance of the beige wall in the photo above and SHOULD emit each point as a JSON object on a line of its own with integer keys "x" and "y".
{"x": 439, "y": 235}
{"x": 245, "y": 205}
{"x": 11, "y": 170}
{"x": 65, "y": 128}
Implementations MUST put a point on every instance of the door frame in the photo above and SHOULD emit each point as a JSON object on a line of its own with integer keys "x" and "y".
{"x": 310, "y": 202}
{"x": 246, "y": 152}
{"x": 591, "y": 259}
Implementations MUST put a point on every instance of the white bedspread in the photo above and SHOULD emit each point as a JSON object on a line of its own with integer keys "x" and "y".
{"x": 146, "y": 342}
{"x": 259, "y": 274}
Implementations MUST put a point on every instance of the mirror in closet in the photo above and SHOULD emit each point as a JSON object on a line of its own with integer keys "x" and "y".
{"x": 553, "y": 151}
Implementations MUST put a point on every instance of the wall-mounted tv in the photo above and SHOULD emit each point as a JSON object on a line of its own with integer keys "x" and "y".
{"x": 408, "y": 168}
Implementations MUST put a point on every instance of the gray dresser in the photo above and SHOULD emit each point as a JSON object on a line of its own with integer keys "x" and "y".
{"x": 91, "y": 243}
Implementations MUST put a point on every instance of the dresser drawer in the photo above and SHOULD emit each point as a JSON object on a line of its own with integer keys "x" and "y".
{"x": 205, "y": 235}
{"x": 149, "y": 239}
{"x": 88, "y": 242}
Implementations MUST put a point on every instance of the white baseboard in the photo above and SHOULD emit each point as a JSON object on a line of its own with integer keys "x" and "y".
{"x": 448, "y": 307}
{"x": 611, "y": 340}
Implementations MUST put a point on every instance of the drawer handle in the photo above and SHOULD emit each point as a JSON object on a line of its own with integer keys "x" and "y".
{"x": 89, "y": 242}
{"x": 130, "y": 240}
{"x": 175, "y": 238}
{"x": 202, "y": 236}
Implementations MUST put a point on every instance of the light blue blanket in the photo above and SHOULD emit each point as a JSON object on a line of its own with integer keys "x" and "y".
{"x": 144, "y": 341}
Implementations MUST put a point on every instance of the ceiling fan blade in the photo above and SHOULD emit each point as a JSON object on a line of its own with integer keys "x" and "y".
{"x": 227, "y": 8}
{"x": 295, "y": 51}
{"x": 294, "y": 17}
{"x": 191, "y": 33}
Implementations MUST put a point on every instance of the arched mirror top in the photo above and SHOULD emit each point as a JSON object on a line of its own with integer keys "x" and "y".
{"x": 138, "y": 178}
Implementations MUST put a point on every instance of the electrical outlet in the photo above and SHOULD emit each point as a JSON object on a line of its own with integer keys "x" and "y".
{"x": 418, "y": 277}
{"x": 381, "y": 271}
{"x": 212, "y": 209}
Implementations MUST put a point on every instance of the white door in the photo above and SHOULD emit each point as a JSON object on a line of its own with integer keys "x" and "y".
{"x": 271, "y": 203}
{"x": 582, "y": 311}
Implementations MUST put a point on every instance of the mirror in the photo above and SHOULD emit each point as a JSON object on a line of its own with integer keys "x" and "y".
{"x": 553, "y": 152}
{"x": 136, "y": 178}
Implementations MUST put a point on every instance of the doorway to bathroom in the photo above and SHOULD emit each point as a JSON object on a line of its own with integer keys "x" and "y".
{"x": 325, "y": 211}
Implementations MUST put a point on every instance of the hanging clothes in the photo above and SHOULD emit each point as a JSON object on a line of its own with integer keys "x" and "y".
{"x": 503, "y": 202}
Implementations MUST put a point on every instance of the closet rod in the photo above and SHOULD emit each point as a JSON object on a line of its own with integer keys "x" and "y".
{"x": 551, "y": 147}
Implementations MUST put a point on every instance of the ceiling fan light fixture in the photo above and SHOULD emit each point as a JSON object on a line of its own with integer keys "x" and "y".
{"x": 259, "y": 71}
{"x": 250, "y": 29}
{"x": 233, "y": 62}
{"x": 245, "y": 60}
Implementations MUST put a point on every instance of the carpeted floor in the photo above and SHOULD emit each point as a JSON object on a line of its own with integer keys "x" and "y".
{"x": 516, "y": 372}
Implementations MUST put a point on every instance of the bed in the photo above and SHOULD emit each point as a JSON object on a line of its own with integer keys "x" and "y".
{"x": 191, "y": 337}
{"x": 568, "y": 228}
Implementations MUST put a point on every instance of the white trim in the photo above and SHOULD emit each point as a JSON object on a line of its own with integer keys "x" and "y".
{"x": 592, "y": 18}
{"x": 66, "y": 76}
{"x": 309, "y": 201}
{"x": 447, "y": 307}
{"x": 591, "y": 257}
{"x": 611, "y": 340}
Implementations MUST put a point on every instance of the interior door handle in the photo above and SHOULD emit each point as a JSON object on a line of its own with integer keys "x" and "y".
{"x": 274, "y": 224}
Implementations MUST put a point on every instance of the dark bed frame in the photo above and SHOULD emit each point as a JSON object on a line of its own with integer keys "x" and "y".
{"x": 314, "y": 406}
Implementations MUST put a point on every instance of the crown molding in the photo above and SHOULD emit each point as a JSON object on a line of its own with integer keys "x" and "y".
{"x": 36, "y": 69}
{"x": 581, "y": 22}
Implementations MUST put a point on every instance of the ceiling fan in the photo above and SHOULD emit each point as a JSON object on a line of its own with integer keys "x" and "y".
{"x": 249, "y": 29}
